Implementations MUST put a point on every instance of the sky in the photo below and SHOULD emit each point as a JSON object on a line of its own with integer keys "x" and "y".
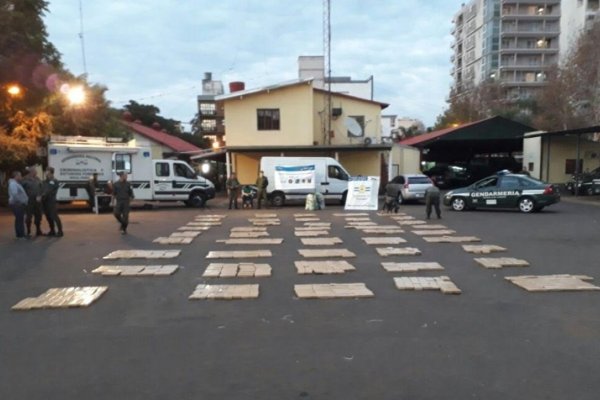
{"x": 156, "y": 51}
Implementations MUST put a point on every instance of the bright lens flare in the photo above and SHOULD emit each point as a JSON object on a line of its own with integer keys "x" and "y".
{"x": 14, "y": 90}
{"x": 76, "y": 95}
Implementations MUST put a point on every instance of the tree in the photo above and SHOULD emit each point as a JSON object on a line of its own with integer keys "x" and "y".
{"x": 486, "y": 100}
{"x": 148, "y": 115}
{"x": 572, "y": 97}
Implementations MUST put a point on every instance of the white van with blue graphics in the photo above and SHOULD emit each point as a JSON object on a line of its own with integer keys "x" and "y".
{"x": 290, "y": 178}
{"x": 75, "y": 159}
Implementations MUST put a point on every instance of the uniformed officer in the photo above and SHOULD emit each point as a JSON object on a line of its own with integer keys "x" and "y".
{"x": 432, "y": 198}
{"x": 233, "y": 187}
{"x": 33, "y": 187}
{"x": 123, "y": 194}
{"x": 91, "y": 189}
{"x": 261, "y": 184}
{"x": 49, "y": 190}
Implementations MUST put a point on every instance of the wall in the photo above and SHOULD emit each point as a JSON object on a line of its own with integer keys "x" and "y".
{"x": 350, "y": 107}
{"x": 295, "y": 104}
{"x": 532, "y": 153}
{"x": 357, "y": 89}
{"x": 361, "y": 162}
{"x": 246, "y": 167}
{"x": 156, "y": 149}
{"x": 563, "y": 148}
{"x": 407, "y": 159}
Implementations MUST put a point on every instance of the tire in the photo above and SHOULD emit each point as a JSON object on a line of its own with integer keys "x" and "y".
{"x": 197, "y": 200}
{"x": 277, "y": 199}
{"x": 458, "y": 204}
{"x": 589, "y": 191}
{"x": 399, "y": 199}
{"x": 526, "y": 205}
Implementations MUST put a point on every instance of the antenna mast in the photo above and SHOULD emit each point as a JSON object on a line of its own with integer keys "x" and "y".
{"x": 81, "y": 37}
{"x": 327, "y": 56}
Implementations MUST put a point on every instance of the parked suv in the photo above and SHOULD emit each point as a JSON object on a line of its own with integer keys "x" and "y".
{"x": 408, "y": 187}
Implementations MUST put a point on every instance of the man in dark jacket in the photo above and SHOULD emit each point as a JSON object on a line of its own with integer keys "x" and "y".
{"x": 33, "y": 187}
{"x": 49, "y": 191}
{"x": 122, "y": 193}
{"x": 233, "y": 187}
{"x": 261, "y": 184}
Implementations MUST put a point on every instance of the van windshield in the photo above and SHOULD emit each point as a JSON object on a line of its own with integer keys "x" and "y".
{"x": 335, "y": 172}
{"x": 183, "y": 171}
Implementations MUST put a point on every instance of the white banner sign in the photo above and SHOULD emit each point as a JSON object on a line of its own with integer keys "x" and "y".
{"x": 295, "y": 177}
{"x": 363, "y": 193}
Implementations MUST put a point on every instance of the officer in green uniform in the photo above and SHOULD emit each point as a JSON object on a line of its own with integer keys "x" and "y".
{"x": 122, "y": 193}
{"x": 432, "y": 198}
{"x": 49, "y": 190}
{"x": 33, "y": 187}
{"x": 233, "y": 187}
{"x": 261, "y": 184}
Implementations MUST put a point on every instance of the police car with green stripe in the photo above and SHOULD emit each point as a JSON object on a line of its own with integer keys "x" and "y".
{"x": 504, "y": 190}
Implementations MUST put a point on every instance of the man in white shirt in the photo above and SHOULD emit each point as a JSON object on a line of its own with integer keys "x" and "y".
{"x": 17, "y": 201}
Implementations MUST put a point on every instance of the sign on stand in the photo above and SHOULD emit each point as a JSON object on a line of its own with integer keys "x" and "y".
{"x": 363, "y": 193}
{"x": 296, "y": 177}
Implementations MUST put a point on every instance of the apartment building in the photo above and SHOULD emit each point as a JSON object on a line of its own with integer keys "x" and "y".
{"x": 210, "y": 117}
{"x": 514, "y": 42}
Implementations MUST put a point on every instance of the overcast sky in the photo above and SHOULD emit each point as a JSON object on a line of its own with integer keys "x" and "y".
{"x": 156, "y": 51}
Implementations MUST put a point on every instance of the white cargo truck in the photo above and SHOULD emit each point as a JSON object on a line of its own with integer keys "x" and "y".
{"x": 75, "y": 159}
{"x": 330, "y": 178}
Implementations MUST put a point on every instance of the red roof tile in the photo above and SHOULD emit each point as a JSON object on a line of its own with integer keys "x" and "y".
{"x": 425, "y": 137}
{"x": 170, "y": 141}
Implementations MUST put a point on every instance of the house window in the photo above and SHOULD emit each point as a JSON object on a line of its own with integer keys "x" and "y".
{"x": 570, "y": 166}
{"x": 267, "y": 119}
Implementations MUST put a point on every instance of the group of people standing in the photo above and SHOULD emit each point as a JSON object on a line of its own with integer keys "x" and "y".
{"x": 29, "y": 198}
{"x": 233, "y": 189}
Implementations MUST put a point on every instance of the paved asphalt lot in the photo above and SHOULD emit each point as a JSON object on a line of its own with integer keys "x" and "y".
{"x": 145, "y": 340}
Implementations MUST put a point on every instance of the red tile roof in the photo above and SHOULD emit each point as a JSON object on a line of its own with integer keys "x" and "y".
{"x": 425, "y": 137}
{"x": 170, "y": 141}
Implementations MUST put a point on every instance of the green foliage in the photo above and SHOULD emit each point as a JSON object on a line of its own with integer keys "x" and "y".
{"x": 148, "y": 115}
{"x": 18, "y": 147}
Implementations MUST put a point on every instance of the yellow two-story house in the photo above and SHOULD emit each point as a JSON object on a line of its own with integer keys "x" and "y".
{"x": 290, "y": 119}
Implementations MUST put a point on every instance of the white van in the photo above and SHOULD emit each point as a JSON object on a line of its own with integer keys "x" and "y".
{"x": 331, "y": 179}
{"x": 75, "y": 159}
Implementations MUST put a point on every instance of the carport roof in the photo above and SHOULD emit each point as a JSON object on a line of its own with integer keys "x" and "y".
{"x": 495, "y": 128}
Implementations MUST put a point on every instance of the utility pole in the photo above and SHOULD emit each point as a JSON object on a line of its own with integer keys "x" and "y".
{"x": 81, "y": 37}
{"x": 327, "y": 56}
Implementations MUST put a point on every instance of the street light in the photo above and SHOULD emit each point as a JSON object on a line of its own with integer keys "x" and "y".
{"x": 75, "y": 95}
{"x": 14, "y": 90}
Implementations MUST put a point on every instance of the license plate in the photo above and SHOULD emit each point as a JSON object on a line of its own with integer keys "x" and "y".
{"x": 419, "y": 195}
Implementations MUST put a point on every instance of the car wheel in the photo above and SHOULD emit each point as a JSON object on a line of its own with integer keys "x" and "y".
{"x": 196, "y": 200}
{"x": 343, "y": 201}
{"x": 589, "y": 191}
{"x": 458, "y": 204}
{"x": 526, "y": 205}
{"x": 278, "y": 199}
{"x": 399, "y": 199}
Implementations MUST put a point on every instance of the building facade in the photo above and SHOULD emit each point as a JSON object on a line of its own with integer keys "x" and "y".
{"x": 287, "y": 120}
{"x": 210, "y": 117}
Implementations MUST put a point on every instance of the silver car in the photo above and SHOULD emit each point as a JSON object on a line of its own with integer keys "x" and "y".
{"x": 408, "y": 187}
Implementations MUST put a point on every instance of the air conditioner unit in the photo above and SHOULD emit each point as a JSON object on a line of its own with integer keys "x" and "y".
{"x": 336, "y": 112}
